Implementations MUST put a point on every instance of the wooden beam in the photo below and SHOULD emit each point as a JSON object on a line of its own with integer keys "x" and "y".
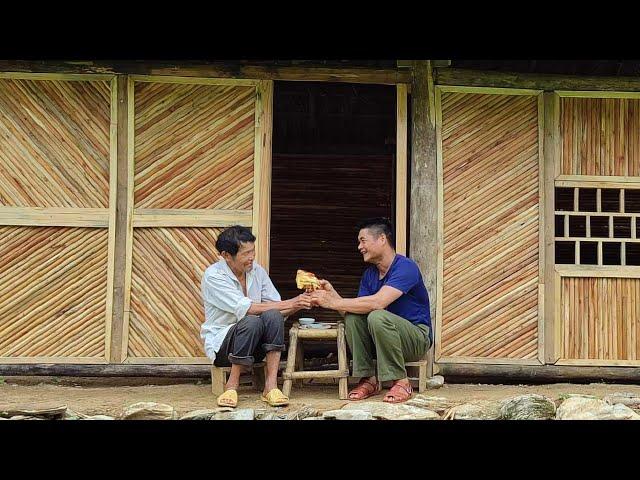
{"x": 425, "y": 248}
{"x": 54, "y": 216}
{"x": 107, "y": 370}
{"x": 213, "y": 70}
{"x": 551, "y": 158}
{"x": 121, "y": 227}
{"x": 151, "y": 217}
{"x": 547, "y": 82}
{"x": 538, "y": 373}
{"x": 262, "y": 172}
{"x": 401, "y": 169}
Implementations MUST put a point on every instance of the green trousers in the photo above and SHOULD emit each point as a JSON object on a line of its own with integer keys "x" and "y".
{"x": 390, "y": 339}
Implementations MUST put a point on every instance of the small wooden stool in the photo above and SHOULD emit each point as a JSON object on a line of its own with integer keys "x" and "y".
{"x": 294, "y": 369}
{"x": 425, "y": 369}
{"x": 219, "y": 376}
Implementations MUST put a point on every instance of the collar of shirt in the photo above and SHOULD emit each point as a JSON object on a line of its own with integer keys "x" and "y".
{"x": 230, "y": 274}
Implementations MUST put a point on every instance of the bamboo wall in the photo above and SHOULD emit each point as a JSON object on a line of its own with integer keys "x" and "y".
{"x": 55, "y": 172}
{"x": 600, "y": 318}
{"x": 194, "y": 156}
{"x": 600, "y": 136}
{"x": 596, "y": 312}
{"x": 490, "y": 180}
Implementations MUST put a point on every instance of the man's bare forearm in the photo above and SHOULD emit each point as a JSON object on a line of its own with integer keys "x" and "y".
{"x": 357, "y": 305}
{"x": 285, "y": 307}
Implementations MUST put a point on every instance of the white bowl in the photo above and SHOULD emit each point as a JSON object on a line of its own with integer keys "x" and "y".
{"x": 306, "y": 321}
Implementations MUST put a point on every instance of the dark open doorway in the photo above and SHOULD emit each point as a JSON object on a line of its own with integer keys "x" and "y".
{"x": 334, "y": 148}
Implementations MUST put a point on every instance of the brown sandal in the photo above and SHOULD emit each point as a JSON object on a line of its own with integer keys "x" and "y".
{"x": 398, "y": 393}
{"x": 362, "y": 392}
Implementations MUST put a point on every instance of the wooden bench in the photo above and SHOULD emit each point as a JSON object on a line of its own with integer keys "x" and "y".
{"x": 219, "y": 376}
{"x": 425, "y": 369}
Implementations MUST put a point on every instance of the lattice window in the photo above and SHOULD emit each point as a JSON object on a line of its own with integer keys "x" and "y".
{"x": 597, "y": 226}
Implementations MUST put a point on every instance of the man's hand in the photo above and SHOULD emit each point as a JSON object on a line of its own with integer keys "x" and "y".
{"x": 325, "y": 285}
{"x": 302, "y": 302}
{"x": 324, "y": 298}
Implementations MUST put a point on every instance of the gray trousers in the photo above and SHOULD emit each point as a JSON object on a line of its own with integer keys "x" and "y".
{"x": 250, "y": 339}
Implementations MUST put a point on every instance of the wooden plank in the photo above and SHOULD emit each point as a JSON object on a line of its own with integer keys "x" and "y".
{"x": 401, "y": 169}
{"x": 190, "y": 218}
{"x": 610, "y": 271}
{"x": 598, "y": 362}
{"x": 262, "y": 171}
{"x": 106, "y": 370}
{"x": 167, "y": 360}
{"x": 550, "y": 158}
{"x": 489, "y": 361}
{"x": 55, "y": 217}
{"x": 546, "y": 82}
{"x": 542, "y": 373}
{"x": 617, "y": 239}
{"x": 597, "y": 181}
{"x": 388, "y": 76}
{"x": 59, "y": 360}
{"x": 598, "y": 214}
{"x": 239, "y": 82}
{"x": 490, "y": 91}
{"x": 129, "y": 216}
{"x": 56, "y": 77}
{"x": 121, "y": 227}
{"x": 426, "y": 212}
{"x": 113, "y": 185}
{"x": 597, "y": 94}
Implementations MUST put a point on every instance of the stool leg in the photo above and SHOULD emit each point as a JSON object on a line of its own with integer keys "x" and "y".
{"x": 343, "y": 366}
{"x": 430, "y": 355}
{"x": 299, "y": 361}
{"x": 422, "y": 377}
{"x": 258, "y": 378}
{"x": 218, "y": 380}
{"x": 291, "y": 360}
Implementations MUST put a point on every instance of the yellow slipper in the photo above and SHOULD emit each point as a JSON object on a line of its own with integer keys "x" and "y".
{"x": 275, "y": 398}
{"x": 228, "y": 399}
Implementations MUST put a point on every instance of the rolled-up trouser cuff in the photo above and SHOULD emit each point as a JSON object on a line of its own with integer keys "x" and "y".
{"x": 270, "y": 347}
{"x": 248, "y": 361}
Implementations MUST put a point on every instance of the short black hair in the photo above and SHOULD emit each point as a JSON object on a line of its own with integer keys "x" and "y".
{"x": 230, "y": 239}
{"x": 379, "y": 225}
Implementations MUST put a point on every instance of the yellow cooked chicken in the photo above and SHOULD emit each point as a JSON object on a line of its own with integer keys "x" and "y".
{"x": 307, "y": 280}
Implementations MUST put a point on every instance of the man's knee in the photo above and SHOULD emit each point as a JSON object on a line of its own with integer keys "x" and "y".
{"x": 349, "y": 318}
{"x": 273, "y": 316}
{"x": 377, "y": 319}
{"x": 252, "y": 323}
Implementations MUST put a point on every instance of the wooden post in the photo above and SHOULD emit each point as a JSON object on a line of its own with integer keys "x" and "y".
{"x": 424, "y": 205}
{"x": 119, "y": 267}
{"x": 551, "y": 169}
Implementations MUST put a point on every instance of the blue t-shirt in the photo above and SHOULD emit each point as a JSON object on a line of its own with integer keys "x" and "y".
{"x": 404, "y": 275}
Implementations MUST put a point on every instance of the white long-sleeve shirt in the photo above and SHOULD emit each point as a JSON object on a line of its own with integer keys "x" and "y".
{"x": 225, "y": 302}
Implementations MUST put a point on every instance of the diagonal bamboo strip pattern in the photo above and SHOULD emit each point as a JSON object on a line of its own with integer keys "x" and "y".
{"x": 600, "y": 136}
{"x": 600, "y": 318}
{"x": 54, "y": 143}
{"x": 194, "y": 146}
{"x": 53, "y": 291}
{"x": 490, "y": 179}
{"x": 166, "y": 304}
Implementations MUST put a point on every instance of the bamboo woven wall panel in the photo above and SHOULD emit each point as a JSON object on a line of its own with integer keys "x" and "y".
{"x": 490, "y": 277}
{"x": 600, "y": 136}
{"x": 600, "y": 318}
{"x": 166, "y": 304}
{"x": 194, "y": 146}
{"x": 52, "y": 291}
{"x": 54, "y": 143}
